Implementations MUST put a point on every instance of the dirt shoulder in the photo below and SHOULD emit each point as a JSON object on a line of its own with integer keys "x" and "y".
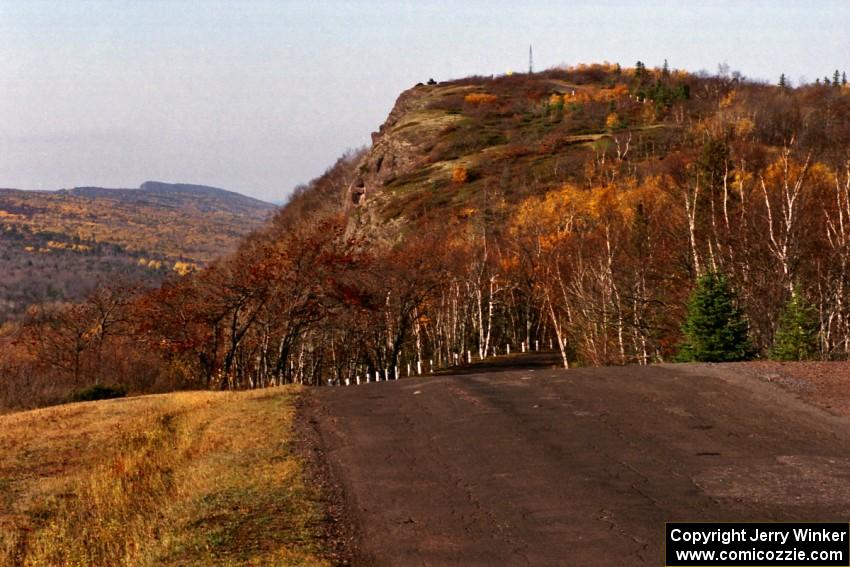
{"x": 823, "y": 384}
{"x": 339, "y": 535}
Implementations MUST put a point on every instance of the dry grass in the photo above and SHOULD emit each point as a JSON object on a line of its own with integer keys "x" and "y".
{"x": 193, "y": 478}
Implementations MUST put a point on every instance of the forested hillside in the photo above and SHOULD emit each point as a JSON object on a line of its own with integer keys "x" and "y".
{"x": 576, "y": 207}
{"x": 56, "y": 245}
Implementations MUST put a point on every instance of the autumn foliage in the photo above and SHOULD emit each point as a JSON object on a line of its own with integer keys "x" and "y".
{"x": 459, "y": 175}
{"x": 585, "y": 229}
{"x": 480, "y": 98}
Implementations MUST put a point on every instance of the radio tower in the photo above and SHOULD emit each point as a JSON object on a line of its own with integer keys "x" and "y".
{"x": 530, "y": 61}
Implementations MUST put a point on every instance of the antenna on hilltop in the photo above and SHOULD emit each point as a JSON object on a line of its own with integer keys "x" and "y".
{"x": 530, "y": 61}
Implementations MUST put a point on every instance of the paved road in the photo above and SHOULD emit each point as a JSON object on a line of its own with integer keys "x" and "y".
{"x": 581, "y": 467}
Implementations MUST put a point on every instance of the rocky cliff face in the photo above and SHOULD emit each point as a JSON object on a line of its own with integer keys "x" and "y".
{"x": 394, "y": 147}
{"x": 401, "y": 148}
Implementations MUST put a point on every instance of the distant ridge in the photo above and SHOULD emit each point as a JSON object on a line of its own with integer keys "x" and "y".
{"x": 55, "y": 245}
{"x": 160, "y": 187}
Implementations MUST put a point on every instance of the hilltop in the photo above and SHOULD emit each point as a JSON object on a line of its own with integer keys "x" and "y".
{"x": 446, "y": 148}
{"x": 56, "y": 244}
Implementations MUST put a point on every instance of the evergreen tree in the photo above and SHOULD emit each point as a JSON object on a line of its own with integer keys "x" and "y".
{"x": 715, "y": 329}
{"x": 797, "y": 335}
{"x": 665, "y": 70}
{"x": 843, "y": 78}
{"x": 836, "y": 78}
{"x": 783, "y": 82}
{"x": 640, "y": 71}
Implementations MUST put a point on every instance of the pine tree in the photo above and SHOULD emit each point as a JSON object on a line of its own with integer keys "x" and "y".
{"x": 843, "y": 78}
{"x": 715, "y": 330}
{"x": 665, "y": 70}
{"x": 797, "y": 335}
{"x": 836, "y": 78}
{"x": 640, "y": 70}
{"x": 783, "y": 82}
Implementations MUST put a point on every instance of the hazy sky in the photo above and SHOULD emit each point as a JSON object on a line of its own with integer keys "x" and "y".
{"x": 259, "y": 96}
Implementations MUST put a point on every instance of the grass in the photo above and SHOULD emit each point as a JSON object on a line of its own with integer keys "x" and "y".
{"x": 193, "y": 478}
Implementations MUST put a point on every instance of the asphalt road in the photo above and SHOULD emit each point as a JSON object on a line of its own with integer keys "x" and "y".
{"x": 534, "y": 466}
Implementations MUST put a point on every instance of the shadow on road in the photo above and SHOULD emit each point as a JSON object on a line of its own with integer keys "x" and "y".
{"x": 541, "y": 360}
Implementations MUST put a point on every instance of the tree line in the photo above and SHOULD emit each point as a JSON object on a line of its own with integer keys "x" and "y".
{"x": 730, "y": 244}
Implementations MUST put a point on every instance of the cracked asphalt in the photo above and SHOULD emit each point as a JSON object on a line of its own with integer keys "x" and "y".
{"x": 516, "y": 463}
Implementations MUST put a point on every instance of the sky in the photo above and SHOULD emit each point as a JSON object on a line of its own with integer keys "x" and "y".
{"x": 260, "y": 96}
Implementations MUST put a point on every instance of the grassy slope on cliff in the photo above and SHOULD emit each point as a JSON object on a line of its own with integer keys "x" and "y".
{"x": 192, "y": 478}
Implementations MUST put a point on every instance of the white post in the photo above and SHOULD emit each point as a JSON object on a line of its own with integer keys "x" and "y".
{"x": 536, "y": 345}
{"x": 508, "y": 349}
{"x": 396, "y": 373}
{"x": 469, "y": 357}
{"x": 408, "y": 369}
{"x": 495, "y": 353}
{"x": 377, "y": 375}
{"x": 523, "y": 346}
{"x": 358, "y": 379}
{"x": 550, "y": 344}
{"x": 348, "y": 381}
{"x": 419, "y": 367}
{"x": 431, "y": 366}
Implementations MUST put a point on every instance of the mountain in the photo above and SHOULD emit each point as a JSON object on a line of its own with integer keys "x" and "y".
{"x": 55, "y": 244}
{"x": 577, "y": 208}
{"x": 584, "y": 210}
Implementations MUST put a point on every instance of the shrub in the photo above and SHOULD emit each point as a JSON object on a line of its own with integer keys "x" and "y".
{"x": 480, "y": 98}
{"x": 98, "y": 392}
{"x": 460, "y": 175}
